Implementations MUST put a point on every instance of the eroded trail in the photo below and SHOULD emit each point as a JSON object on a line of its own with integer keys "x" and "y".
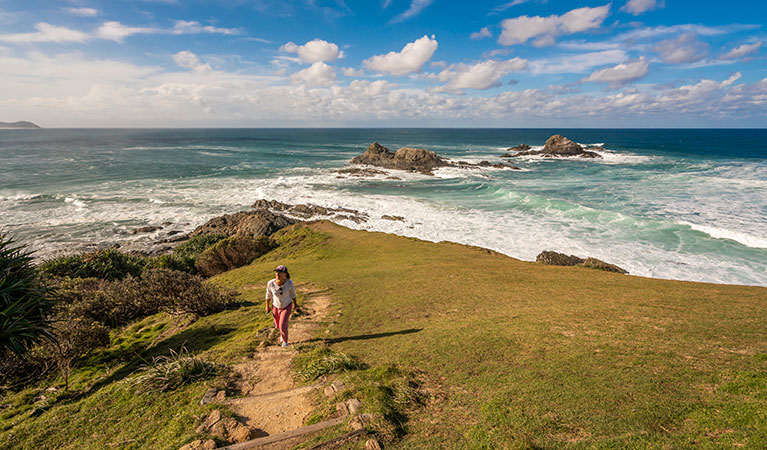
{"x": 272, "y": 402}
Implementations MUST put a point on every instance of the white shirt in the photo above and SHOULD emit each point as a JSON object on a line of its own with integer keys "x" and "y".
{"x": 281, "y": 296}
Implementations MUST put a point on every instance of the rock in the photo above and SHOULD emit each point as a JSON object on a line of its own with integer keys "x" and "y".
{"x": 558, "y": 259}
{"x": 560, "y": 145}
{"x": 393, "y": 218}
{"x": 342, "y": 408}
{"x": 272, "y": 205}
{"x": 208, "y": 397}
{"x": 334, "y": 388}
{"x": 372, "y": 444}
{"x": 557, "y": 146}
{"x": 360, "y": 172}
{"x": 199, "y": 444}
{"x": 353, "y": 405}
{"x": 593, "y": 263}
{"x": 415, "y": 160}
{"x": 213, "y": 418}
{"x": 147, "y": 229}
{"x": 360, "y": 421}
{"x": 308, "y": 211}
{"x": 245, "y": 223}
{"x": 221, "y": 396}
{"x": 226, "y": 428}
{"x": 406, "y": 158}
{"x": 519, "y": 148}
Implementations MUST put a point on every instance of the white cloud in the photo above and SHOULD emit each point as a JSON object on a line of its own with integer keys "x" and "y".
{"x": 46, "y": 33}
{"x": 411, "y": 59}
{"x": 84, "y": 12}
{"x": 416, "y": 6}
{"x": 637, "y": 7}
{"x": 314, "y": 51}
{"x": 352, "y": 72}
{"x": 504, "y": 6}
{"x": 75, "y": 90}
{"x": 194, "y": 27}
{"x": 578, "y": 63}
{"x": 520, "y": 29}
{"x": 111, "y": 30}
{"x": 115, "y": 31}
{"x": 318, "y": 74}
{"x": 684, "y": 49}
{"x": 483, "y": 75}
{"x": 651, "y": 32}
{"x": 742, "y": 51}
{"x": 621, "y": 74}
{"x": 483, "y": 33}
{"x": 189, "y": 60}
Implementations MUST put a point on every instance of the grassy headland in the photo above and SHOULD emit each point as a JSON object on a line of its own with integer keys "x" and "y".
{"x": 534, "y": 356}
{"x": 515, "y": 354}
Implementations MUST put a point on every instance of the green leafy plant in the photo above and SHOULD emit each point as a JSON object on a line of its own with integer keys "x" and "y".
{"x": 24, "y": 301}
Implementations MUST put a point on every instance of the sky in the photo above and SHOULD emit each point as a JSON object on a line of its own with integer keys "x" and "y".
{"x": 384, "y": 63}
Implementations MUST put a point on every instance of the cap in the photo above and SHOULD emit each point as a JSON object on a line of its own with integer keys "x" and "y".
{"x": 281, "y": 268}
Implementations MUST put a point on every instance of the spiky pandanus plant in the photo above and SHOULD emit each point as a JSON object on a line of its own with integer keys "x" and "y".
{"x": 24, "y": 301}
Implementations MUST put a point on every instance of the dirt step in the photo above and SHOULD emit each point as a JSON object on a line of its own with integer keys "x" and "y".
{"x": 255, "y": 443}
{"x": 277, "y": 394}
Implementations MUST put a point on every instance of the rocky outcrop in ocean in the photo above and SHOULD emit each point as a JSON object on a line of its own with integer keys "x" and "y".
{"x": 308, "y": 211}
{"x": 557, "y": 146}
{"x": 415, "y": 160}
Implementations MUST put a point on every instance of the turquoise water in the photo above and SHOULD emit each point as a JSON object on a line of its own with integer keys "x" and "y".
{"x": 679, "y": 204}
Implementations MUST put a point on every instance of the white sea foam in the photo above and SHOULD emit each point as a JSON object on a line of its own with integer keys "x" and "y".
{"x": 737, "y": 236}
{"x": 515, "y": 223}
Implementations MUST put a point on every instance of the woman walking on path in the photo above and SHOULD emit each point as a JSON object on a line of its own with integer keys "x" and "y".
{"x": 281, "y": 301}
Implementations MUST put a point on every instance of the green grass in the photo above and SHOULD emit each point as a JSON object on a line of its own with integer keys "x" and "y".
{"x": 508, "y": 354}
{"x": 560, "y": 357}
{"x": 103, "y": 409}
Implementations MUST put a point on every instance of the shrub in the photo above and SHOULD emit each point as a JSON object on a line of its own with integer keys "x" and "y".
{"x": 232, "y": 253}
{"x": 197, "y": 244}
{"x": 106, "y": 264}
{"x": 115, "y": 303}
{"x": 111, "y": 304}
{"x": 180, "y": 292}
{"x": 24, "y": 301}
{"x": 322, "y": 361}
{"x": 166, "y": 373}
{"x": 184, "y": 255}
{"x": 74, "y": 338}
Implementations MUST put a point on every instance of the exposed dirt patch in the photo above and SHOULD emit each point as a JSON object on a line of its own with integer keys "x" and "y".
{"x": 272, "y": 401}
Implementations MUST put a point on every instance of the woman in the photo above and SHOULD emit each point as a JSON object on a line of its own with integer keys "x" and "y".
{"x": 281, "y": 301}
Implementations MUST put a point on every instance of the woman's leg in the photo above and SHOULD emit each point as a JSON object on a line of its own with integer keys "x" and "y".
{"x": 284, "y": 318}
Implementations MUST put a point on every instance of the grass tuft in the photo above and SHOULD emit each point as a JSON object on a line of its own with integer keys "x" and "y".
{"x": 167, "y": 373}
{"x": 321, "y": 361}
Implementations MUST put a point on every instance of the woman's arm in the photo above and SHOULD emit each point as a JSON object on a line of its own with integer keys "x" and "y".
{"x": 268, "y": 299}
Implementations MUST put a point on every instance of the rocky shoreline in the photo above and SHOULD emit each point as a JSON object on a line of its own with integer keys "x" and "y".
{"x": 269, "y": 216}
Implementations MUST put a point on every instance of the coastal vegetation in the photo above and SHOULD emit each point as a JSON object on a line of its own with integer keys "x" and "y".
{"x": 446, "y": 345}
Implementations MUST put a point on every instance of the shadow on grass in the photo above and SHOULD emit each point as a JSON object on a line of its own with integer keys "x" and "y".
{"x": 194, "y": 340}
{"x": 363, "y": 337}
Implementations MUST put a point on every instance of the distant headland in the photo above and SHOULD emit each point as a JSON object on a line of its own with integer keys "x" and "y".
{"x": 20, "y": 124}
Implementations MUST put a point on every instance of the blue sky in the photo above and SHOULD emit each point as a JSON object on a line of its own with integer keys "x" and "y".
{"x": 523, "y": 63}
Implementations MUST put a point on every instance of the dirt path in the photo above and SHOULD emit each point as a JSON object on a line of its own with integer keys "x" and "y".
{"x": 273, "y": 402}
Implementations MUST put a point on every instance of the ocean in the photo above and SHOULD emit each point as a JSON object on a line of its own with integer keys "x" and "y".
{"x": 678, "y": 204}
